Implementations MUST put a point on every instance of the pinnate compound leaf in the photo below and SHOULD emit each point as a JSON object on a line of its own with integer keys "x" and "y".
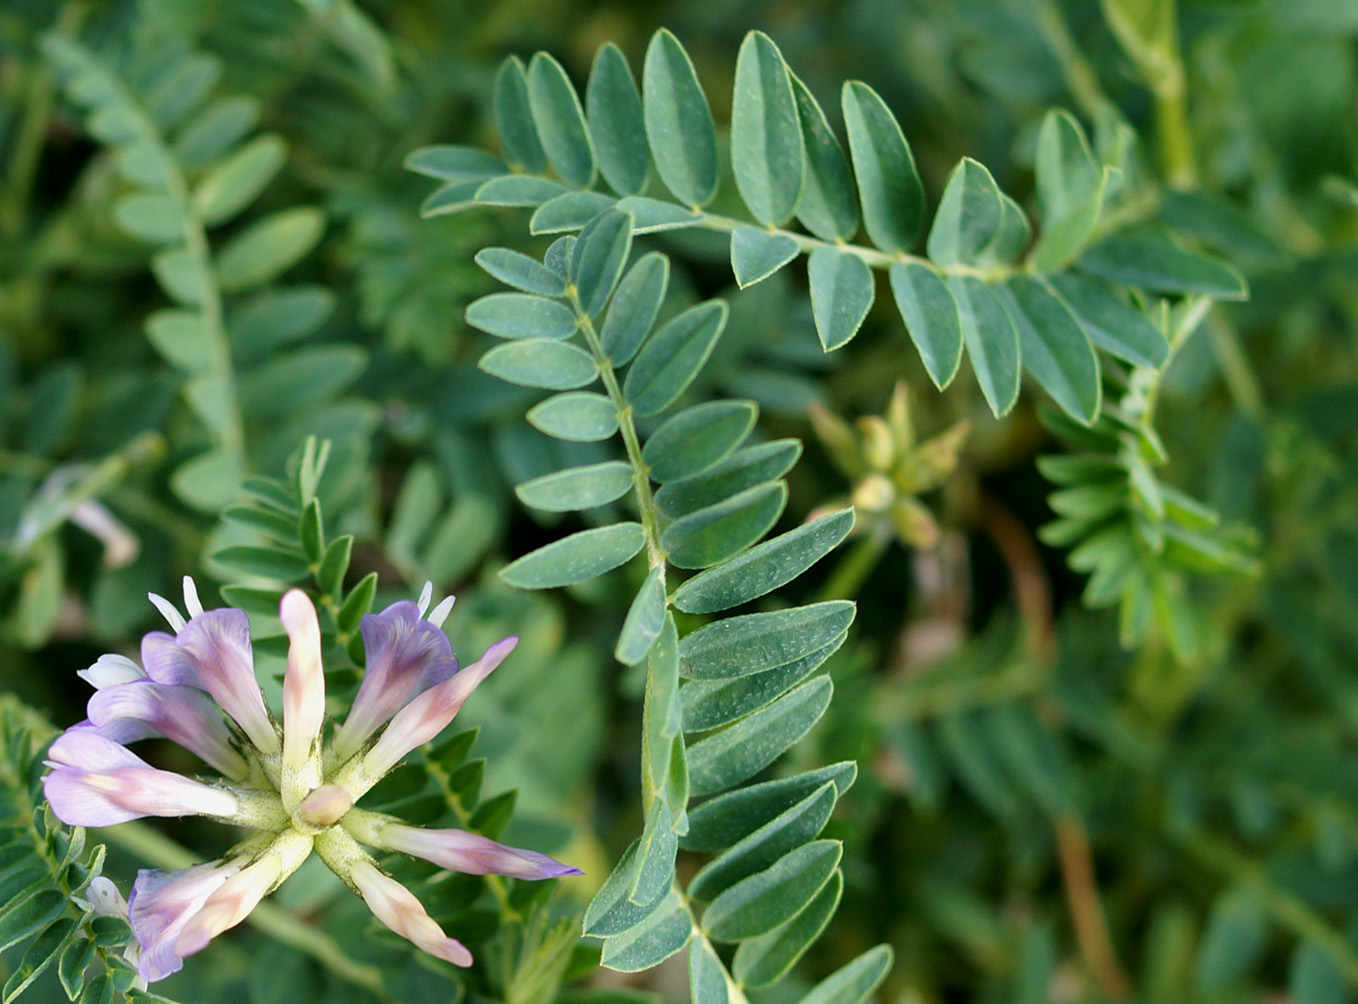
{"x": 758, "y": 904}
{"x": 842, "y": 291}
{"x": 1054, "y": 347}
{"x": 721, "y": 822}
{"x": 581, "y": 417}
{"x": 766, "y": 137}
{"x": 828, "y": 205}
{"x": 991, "y": 340}
{"x": 679, "y": 122}
{"x": 598, "y": 258}
{"x": 230, "y": 186}
{"x": 968, "y": 216}
{"x": 730, "y": 756}
{"x": 669, "y": 361}
{"x": 521, "y": 315}
{"x": 745, "y": 468}
{"x": 888, "y": 183}
{"x": 1112, "y": 325}
{"x": 855, "y": 982}
{"x": 762, "y": 848}
{"x": 269, "y": 247}
{"x": 697, "y": 438}
{"x": 617, "y": 124}
{"x": 767, "y": 958}
{"x": 712, "y": 535}
{"x": 576, "y": 558}
{"x": 645, "y": 618}
{"x": 634, "y": 308}
{"x": 560, "y": 121}
{"x": 931, "y": 318}
{"x": 568, "y": 212}
{"x": 756, "y": 254}
{"x": 577, "y": 487}
{"x": 1148, "y": 259}
{"x": 520, "y": 271}
{"x": 764, "y": 568}
{"x": 655, "y": 939}
{"x": 710, "y": 704}
{"x": 514, "y": 118}
{"x": 750, "y": 643}
{"x": 541, "y": 363}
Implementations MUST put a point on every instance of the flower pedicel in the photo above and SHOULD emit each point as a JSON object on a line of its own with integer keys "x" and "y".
{"x": 297, "y": 791}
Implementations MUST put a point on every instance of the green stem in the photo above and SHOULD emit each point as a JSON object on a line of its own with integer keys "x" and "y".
{"x": 1081, "y": 78}
{"x": 160, "y": 850}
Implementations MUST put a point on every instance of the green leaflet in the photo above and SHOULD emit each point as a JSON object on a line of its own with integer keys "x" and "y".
{"x": 216, "y": 129}
{"x": 514, "y": 118}
{"x": 517, "y": 190}
{"x": 447, "y": 162}
{"x": 576, "y": 558}
{"x": 1231, "y": 942}
{"x": 756, "y": 254}
{"x": 767, "y": 958}
{"x": 1114, "y": 326}
{"x": 268, "y": 247}
{"x": 1150, "y": 260}
{"x": 672, "y": 357}
{"x": 150, "y": 217}
{"x": 1067, "y": 172}
{"x": 232, "y": 184}
{"x": 852, "y": 984}
{"x": 651, "y": 942}
{"x": 560, "y": 121}
{"x": 611, "y": 912}
{"x": 888, "y": 184}
{"x": 581, "y": 417}
{"x": 760, "y": 903}
{"x": 541, "y": 363}
{"x": 764, "y": 568}
{"x": 714, "y": 534}
{"x": 709, "y": 704}
{"x": 696, "y": 439}
{"x": 1012, "y": 237}
{"x": 828, "y": 205}
{"x": 617, "y": 124}
{"x": 1054, "y": 347}
{"x": 654, "y": 871}
{"x": 183, "y": 338}
{"x": 992, "y": 342}
{"x": 287, "y": 382}
{"x": 739, "y": 751}
{"x": 568, "y": 212}
{"x": 1314, "y": 977}
{"x": 842, "y": 292}
{"x": 577, "y": 487}
{"x": 968, "y": 216}
{"x": 277, "y": 317}
{"x": 662, "y": 745}
{"x": 762, "y": 848}
{"x": 645, "y": 618}
{"x": 454, "y": 197}
{"x": 745, "y": 468}
{"x": 521, "y": 315}
{"x": 706, "y": 974}
{"x": 520, "y": 271}
{"x": 598, "y": 258}
{"x": 634, "y": 308}
{"x": 766, "y": 136}
{"x": 749, "y": 643}
{"x": 679, "y": 122}
{"x": 977, "y": 764}
{"x": 931, "y": 318}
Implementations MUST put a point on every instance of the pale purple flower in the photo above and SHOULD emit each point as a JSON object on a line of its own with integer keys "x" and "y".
{"x": 198, "y": 689}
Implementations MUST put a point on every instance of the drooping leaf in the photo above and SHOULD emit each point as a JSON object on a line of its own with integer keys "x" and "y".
{"x": 560, "y": 121}
{"x": 679, "y": 122}
{"x": 828, "y": 205}
{"x": 617, "y": 124}
{"x": 842, "y": 291}
{"x": 1054, "y": 347}
{"x": 931, "y": 318}
{"x": 576, "y": 558}
{"x": 889, "y": 187}
{"x": 766, "y": 137}
{"x": 514, "y": 118}
{"x": 694, "y": 440}
{"x": 991, "y": 340}
{"x": 756, "y": 254}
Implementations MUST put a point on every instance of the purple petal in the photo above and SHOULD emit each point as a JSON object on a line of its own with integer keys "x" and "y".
{"x": 218, "y": 646}
{"x": 121, "y": 730}
{"x": 396, "y": 907}
{"x": 184, "y": 715}
{"x": 167, "y": 663}
{"x": 406, "y": 655}
{"x": 429, "y": 713}
{"x": 162, "y": 903}
{"x": 471, "y": 853}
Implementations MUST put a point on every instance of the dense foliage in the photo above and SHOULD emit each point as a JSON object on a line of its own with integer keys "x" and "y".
{"x": 913, "y": 442}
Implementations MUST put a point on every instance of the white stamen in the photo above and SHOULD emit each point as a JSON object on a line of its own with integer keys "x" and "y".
{"x": 426, "y": 594}
{"x": 440, "y": 613}
{"x": 167, "y": 611}
{"x": 191, "y": 602}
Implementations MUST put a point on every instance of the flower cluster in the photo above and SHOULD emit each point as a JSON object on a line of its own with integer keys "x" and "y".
{"x": 291, "y": 785}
